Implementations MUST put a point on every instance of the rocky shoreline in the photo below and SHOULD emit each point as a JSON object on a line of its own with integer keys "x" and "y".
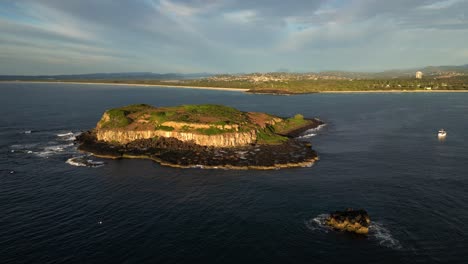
{"x": 176, "y": 153}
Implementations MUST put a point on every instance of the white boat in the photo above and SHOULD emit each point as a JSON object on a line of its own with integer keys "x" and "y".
{"x": 442, "y": 133}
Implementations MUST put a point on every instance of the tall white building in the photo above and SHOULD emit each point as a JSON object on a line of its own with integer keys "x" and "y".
{"x": 419, "y": 75}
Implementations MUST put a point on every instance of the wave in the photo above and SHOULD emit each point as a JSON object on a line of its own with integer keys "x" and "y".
{"x": 41, "y": 150}
{"x": 47, "y": 143}
{"x": 19, "y": 147}
{"x": 318, "y": 223}
{"x": 84, "y": 161}
{"x": 67, "y": 134}
{"x": 23, "y": 148}
{"x": 308, "y": 135}
{"x": 377, "y": 231}
{"x": 383, "y": 236}
{"x": 311, "y": 132}
{"x": 54, "y": 149}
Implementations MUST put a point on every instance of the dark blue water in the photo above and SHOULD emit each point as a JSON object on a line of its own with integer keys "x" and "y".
{"x": 379, "y": 152}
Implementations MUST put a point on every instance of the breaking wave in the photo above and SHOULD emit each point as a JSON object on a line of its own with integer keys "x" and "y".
{"x": 383, "y": 236}
{"x": 318, "y": 223}
{"x": 54, "y": 149}
{"x": 311, "y": 132}
{"x": 68, "y": 136}
{"x": 47, "y": 144}
{"x": 84, "y": 161}
{"x": 65, "y": 134}
{"x": 377, "y": 231}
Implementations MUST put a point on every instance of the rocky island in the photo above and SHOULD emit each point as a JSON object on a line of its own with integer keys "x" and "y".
{"x": 355, "y": 221}
{"x": 208, "y": 136}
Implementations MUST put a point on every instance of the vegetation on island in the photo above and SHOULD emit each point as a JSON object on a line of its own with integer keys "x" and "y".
{"x": 206, "y": 119}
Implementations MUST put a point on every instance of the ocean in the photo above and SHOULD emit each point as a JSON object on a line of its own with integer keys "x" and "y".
{"x": 379, "y": 152}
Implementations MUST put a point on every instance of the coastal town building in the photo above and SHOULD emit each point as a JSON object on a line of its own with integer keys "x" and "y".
{"x": 419, "y": 75}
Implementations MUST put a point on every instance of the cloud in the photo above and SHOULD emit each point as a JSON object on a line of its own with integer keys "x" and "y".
{"x": 231, "y": 36}
{"x": 244, "y": 16}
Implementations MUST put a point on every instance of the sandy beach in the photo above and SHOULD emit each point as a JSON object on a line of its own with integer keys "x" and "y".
{"x": 139, "y": 85}
{"x": 238, "y": 89}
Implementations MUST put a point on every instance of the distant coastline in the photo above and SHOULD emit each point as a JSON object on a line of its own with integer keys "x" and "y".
{"x": 136, "y": 84}
{"x": 239, "y": 89}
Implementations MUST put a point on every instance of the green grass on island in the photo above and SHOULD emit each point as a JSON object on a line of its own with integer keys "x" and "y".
{"x": 206, "y": 119}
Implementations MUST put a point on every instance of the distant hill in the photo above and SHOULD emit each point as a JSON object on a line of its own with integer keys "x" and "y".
{"x": 402, "y": 73}
{"x": 108, "y": 76}
{"x": 433, "y": 71}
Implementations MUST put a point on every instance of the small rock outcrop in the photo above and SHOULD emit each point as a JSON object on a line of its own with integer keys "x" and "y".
{"x": 355, "y": 221}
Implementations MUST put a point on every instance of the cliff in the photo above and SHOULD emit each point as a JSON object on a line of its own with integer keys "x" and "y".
{"x": 221, "y": 140}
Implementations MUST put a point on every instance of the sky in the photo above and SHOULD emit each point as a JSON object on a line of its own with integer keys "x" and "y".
{"x": 229, "y": 36}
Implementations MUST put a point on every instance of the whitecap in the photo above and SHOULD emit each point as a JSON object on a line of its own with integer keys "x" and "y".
{"x": 318, "y": 223}
{"x": 67, "y": 134}
{"x": 23, "y": 146}
{"x": 311, "y": 132}
{"x": 54, "y": 149}
{"x": 308, "y": 135}
{"x": 378, "y": 232}
{"x": 84, "y": 161}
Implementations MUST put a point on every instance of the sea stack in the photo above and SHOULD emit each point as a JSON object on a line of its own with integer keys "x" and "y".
{"x": 355, "y": 221}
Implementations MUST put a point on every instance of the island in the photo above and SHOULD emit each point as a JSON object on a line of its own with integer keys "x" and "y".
{"x": 354, "y": 221}
{"x": 204, "y": 136}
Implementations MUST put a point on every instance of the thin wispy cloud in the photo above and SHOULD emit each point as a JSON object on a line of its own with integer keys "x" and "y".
{"x": 55, "y": 36}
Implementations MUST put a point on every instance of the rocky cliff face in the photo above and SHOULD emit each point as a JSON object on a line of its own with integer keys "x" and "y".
{"x": 235, "y": 139}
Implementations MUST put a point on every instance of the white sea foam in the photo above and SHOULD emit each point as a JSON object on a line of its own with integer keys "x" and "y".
{"x": 311, "y": 132}
{"x": 378, "y": 232}
{"x": 309, "y": 135}
{"x": 48, "y": 144}
{"x": 84, "y": 161}
{"x": 24, "y": 146}
{"x": 318, "y": 223}
{"x": 67, "y": 134}
{"x": 54, "y": 149}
